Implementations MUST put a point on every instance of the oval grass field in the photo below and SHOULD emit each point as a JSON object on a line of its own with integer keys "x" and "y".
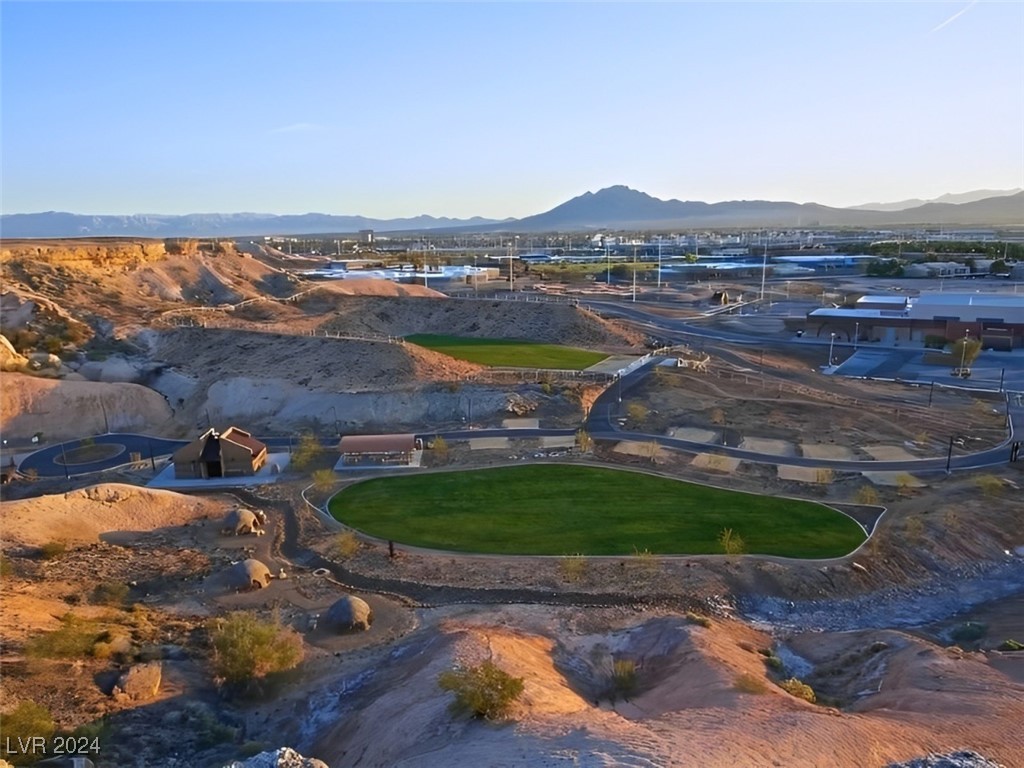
{"x": 559, "y": 509}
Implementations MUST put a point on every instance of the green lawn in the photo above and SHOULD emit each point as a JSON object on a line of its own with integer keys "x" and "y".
{"x": 560, "y": 509}
{"x": 509, "y": 352}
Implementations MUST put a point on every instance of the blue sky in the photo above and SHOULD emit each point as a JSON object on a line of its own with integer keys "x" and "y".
{"x": 502, "y": 109}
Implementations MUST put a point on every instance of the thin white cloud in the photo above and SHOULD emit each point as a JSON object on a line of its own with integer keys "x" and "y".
{"x": 298, "y": 128}
{"x": 956, "y": 15}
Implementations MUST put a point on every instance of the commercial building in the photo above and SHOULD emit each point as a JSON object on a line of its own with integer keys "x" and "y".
{"x": 997, "y": 319}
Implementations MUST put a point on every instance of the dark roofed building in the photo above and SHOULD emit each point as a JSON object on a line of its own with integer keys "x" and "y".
{"x": 231, "y": 453}
{"x": 377, "y": 450}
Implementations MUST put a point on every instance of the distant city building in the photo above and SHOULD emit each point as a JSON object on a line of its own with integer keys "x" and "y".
{"x": 366, "y": 236}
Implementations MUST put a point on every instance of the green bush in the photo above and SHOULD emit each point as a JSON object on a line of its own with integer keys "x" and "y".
{"x": 109, "y": 593}
{"x": 624, "y": 676}
{"x": 573, "y": 567}
{"x": 307, "y": 451}
{"x": 696, "y": 618}
{"x": 797, "y": 688}
{"x": 25, "y": 722}
{"x": 52, "y": 550}
{"x": 345, "y": 545}
{"x": 74, "y": 640}
{"x": 969, "y": 632}
{"x": 484, "y": 690}
{"x": 246, "y": 648}
{"x": 748, "y": 683}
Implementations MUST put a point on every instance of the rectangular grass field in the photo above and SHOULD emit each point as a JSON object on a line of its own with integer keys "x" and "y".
{"x": 509, "y": 352}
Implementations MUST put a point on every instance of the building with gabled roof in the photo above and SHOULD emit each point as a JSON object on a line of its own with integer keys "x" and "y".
{"x": 231, "y": 453}
{"x": 378, "y": 450}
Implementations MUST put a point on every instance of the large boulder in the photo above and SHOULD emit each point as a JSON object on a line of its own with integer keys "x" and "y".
{"x": 347, "y": 614}
{"x": 139, "y": 683}
{"x": 248, "y": 574}
{"x": 241, "y": 521}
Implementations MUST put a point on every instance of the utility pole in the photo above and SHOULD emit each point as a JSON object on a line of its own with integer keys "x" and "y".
{"x": 634, "y": 274}
{"x": 949, "y": 455}
{"x": 659, "y": 263}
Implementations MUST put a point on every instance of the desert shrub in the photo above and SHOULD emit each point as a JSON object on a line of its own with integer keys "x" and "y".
{"x": 323, "y": 479}
{"x": 866, "y": 494}
{"x": 989, "y": 485}
{"x": 52, "y": 550}
{"x": 109, "y": 593}
{"x": 696, "y": 618}
{"x": 6, "y": 568}
{"x": 484, "y": 690}
{"x": 440, "y": 448}
{"x": 636, "y": 413}
{"x": 904, "y": 483}
{"x": 932, "y": 341}
{"x": 25, "y": 722}
{"x": 624, "y": 676}
{"x": 345, "y": 545}
{"x": 824, "y": 476}
{"x": 1011, "y": 645}
{"x": 771, "y": 661}
{"x": 731, "y": 542}
{"x": 584, "y": 442}
{"x": 969, "y": 632}
{"x": 646, "y": 561}
{"x": 73, "y": 640}
{"x": 53, "y": 345}
{"x": 573, "y": 567}
{"x": 914, "y": 528}
{"x": 748, "y": 683}
{"x": 798, "y": 688}
{"x": 247, "y": 648}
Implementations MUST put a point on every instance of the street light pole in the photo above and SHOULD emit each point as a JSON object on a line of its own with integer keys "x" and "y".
{"x": 856, "y": 334}
{"x": 659, "y": 263}
{"x": 831, "y": 344}
{"x": 949, "y": 454}
{"x": 608, "y": 262}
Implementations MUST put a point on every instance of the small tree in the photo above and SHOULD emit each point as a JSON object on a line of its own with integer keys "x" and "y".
{"x": 247, "y": 648}
{"x": 584, "y": 442}
{"x": 307, "y": 451}
{"x": 731, "y": 542}
{"x": 965, "y": 351}
{"x": 484, "y": 690}
{"x": 440, "y": 448}
{"x": 867, "y": 494}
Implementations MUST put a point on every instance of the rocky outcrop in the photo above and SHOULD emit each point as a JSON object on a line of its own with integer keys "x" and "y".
{"x": 139, "y": 683}
{"x": 285, "y": 757}
{"x": 961, "y": 759}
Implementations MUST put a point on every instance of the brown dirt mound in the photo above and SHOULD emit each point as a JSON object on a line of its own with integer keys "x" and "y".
{"x": 68, "y": 409}
{"x": 316, "y": 363}
{"x": 371, "y": 287}
{"x": 535, "y": 321}
{"x": 83, "y": 515}
{"x": 687, "y": 708}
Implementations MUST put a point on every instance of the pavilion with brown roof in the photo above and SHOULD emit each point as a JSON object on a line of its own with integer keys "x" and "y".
{"x": 231, "y": 453}
{"x": 377, "y": 450}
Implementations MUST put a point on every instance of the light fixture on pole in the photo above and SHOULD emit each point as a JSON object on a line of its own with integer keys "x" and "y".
{"x": 608, "y": 261}
{"x": 856, "y": 334}
{"x": 659, "y": 263}
{"x": 831, "y": 344}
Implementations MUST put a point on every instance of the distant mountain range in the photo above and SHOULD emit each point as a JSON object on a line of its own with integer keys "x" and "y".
{"x": 962, "y": 197}
{"x": 613, "y": 208}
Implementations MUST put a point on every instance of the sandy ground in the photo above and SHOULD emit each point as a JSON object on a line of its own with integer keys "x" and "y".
{"x": 694, "y": 434}
{"x": 889, "y": 453}
{"x": 804, "y": 474}
{"x": 67, "y": 409}
{"x": 487, "y": 443}
{"x": 895, "y": 479}
{"x": 715, "y": 462}
{"x": 764, "y": 445}
{"x": 839, "y": 452}
{"x": 651, "y": 450}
